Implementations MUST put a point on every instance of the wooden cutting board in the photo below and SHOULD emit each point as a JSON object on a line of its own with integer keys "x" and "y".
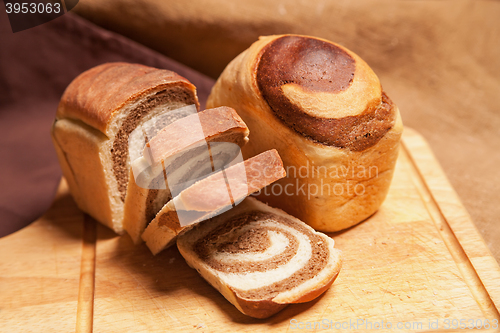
{"x": 418, "y": 264}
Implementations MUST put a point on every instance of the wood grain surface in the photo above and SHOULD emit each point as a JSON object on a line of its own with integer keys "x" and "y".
{"x": 416, "y": 261}
{"x": 439, "y": 61}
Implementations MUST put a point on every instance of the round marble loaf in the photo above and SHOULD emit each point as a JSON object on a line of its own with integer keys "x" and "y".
{"x": 324, "y": 110}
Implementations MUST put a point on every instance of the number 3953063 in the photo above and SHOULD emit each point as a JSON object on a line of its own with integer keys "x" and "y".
{"x": 470, "y": 323}
{"x": 32, "y": 8}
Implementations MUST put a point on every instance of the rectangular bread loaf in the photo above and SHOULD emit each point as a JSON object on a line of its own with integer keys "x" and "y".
{"x": 97, "y": 112}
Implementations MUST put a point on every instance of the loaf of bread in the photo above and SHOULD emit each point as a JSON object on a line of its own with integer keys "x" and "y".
{"x": 260, "y": 258}
{"x": 211, "y": 196}
{"x": 185, "y": 150}
{"x": 324, "y": 110}
{"x": 97, "y": 112}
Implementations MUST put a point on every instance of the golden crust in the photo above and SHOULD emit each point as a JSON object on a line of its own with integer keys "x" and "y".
{"x": 258, "y": 308}
{"x": 268, "y": 307}
{"x": 95, "y": 95}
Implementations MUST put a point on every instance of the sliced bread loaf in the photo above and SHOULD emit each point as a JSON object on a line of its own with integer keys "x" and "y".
{"x": 188, "y": 149}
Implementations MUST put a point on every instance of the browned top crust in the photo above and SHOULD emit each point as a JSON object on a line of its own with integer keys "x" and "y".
{"x": 315, "y": 66}
{"x": 311, "y": 63}
{"x": 96, "y": 94}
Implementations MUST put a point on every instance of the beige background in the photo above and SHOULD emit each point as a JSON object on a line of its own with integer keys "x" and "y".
{"x": 438, "y": 60}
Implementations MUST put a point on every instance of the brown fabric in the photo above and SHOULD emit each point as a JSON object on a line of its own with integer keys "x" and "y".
{"x": 36, "y": 65}
{"x": 439, "y": 61}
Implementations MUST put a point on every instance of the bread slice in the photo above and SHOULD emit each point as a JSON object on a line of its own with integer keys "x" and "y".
{"x": 260, "y": 258}
{"x": 97, "y": 112}
{"x": 211, "y": 196}
{"x": 185, "y": 150}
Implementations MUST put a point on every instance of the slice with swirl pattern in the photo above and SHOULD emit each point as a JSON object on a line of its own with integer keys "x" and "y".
{"x": 261, "y": 258}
